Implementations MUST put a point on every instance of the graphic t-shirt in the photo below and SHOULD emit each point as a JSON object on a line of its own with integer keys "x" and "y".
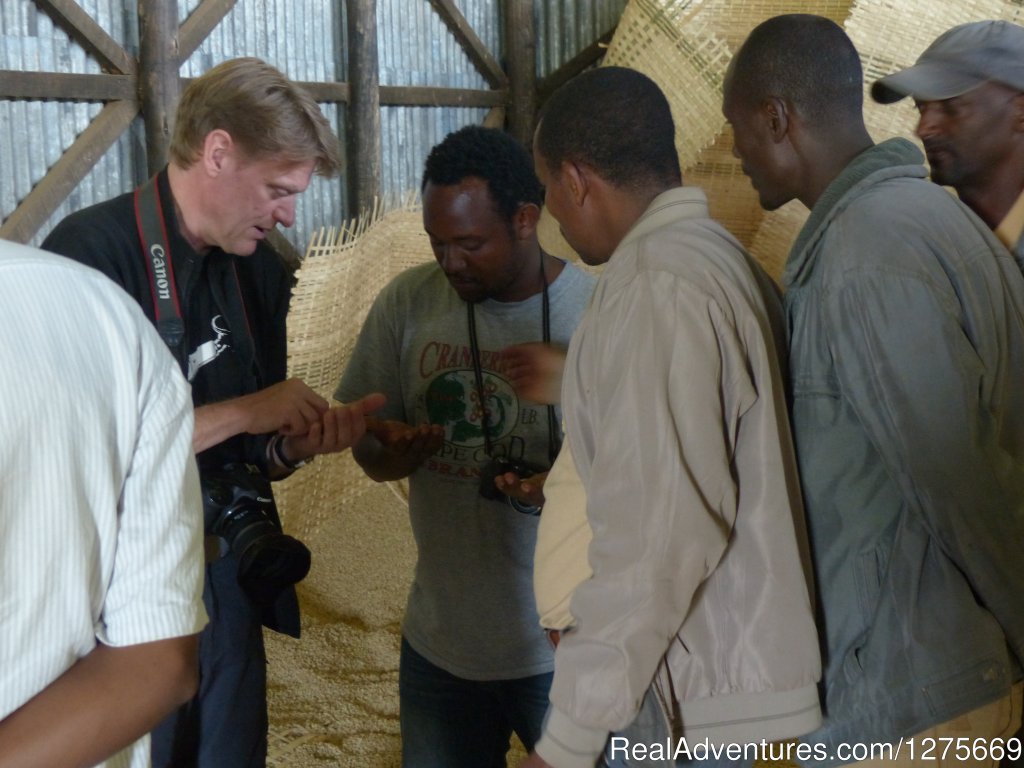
{"x": 471, "y": 608}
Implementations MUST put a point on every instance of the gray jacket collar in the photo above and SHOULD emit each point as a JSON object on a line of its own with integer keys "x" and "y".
{"x": 890, "y": 159}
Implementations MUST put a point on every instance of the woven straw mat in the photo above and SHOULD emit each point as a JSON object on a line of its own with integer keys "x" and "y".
{"x": 342, "y": 273}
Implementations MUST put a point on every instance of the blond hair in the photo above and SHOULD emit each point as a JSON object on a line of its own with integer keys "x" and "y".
{"x": 265, "y": 113}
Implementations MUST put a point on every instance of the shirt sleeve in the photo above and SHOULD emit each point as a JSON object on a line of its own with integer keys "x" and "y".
{"x": 156, "y": 586}
{"x": 265, "y": 288}
{"x": 98, "y": 242}
{"x": 661, "y": 380}
{"x": 375, "y": 363}
{"x": 563, "y": 535}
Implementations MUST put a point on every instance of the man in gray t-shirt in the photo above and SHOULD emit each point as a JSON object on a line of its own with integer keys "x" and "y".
{"x": 475, "y": 664}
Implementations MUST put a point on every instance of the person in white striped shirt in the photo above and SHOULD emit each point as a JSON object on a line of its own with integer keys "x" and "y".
{"x": 101, "y": 556}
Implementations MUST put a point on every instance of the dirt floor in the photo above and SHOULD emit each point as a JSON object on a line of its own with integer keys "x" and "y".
{"x": 333, "y": 694}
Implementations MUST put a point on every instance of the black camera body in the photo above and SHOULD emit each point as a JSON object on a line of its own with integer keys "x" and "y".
{"x": 499, "y": 465}
{"x": 238, "y": 506}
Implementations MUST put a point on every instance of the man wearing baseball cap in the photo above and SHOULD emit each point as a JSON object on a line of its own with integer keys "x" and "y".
{"x": 969, "y": 89}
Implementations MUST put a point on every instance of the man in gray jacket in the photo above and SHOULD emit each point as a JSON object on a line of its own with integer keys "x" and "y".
{"x": 968, "y": 86}
{"x": 906, "y": 357}
{"x": 696, "y": 610}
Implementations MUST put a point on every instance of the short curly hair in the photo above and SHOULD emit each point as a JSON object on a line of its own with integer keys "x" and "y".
{"x": 489, "y": 154}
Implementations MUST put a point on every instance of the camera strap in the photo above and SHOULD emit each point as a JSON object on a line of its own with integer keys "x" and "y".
{"x": 152, "y": 227}
{"x": 149, "y": 218}
{"x": 474, "y": 346}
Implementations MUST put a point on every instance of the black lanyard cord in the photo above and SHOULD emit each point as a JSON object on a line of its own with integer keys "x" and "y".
{"x": 474, "y": 347}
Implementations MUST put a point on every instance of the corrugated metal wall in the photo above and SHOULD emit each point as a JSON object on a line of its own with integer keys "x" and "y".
{"x": 416, "y": 48}
{"x": 33, "y": 134}
{"x": 566, "y": 27}
{"x": 304, "y": 38}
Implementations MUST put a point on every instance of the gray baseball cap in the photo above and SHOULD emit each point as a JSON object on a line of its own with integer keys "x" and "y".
{"x": 959, "y": 60}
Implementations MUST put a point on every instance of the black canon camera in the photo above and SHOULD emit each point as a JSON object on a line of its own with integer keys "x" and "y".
{"x": 499, "y": 465}
{"x": 239, "y": 507}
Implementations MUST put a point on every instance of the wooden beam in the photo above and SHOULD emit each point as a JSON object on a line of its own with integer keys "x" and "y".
{"x": 63, "y": 86}
{"x": 402, "y": 95}
{"x": 159, "y": 86}
{"x": 68, "y": 171}
{"x": 582, "y": 61}
{"x": 327, "y": 93}
{"x": 521, "y": 55}
{"x": 495, "y": 118}
{"x": 471, "y": 43}
{"x": 81, "y": 27}
{"x": 364, "y": 106}
{"x": 199, "y": 24}
{"x": 416, "y": 96}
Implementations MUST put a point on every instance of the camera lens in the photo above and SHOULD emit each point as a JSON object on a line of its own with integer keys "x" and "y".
{"x": 268, "y": 560}
{"x": 240, "y": 509}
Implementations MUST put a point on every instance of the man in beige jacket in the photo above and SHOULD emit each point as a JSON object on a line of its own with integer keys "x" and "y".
{"x": 695, "y": 620}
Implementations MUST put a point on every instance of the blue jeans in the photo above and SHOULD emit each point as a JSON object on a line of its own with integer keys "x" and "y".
{"x": 451, "y": 722}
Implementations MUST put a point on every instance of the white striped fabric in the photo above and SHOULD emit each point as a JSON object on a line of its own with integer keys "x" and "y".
{"x": 100, "y": 514}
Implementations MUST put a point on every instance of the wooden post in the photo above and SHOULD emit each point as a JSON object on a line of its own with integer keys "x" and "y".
{"x": 364, "y": 170}
{"x": 159, "y": 86}
{"x": 521, "y": 55}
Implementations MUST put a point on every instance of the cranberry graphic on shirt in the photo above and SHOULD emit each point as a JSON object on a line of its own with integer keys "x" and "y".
{"x": 451, "y": 399}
